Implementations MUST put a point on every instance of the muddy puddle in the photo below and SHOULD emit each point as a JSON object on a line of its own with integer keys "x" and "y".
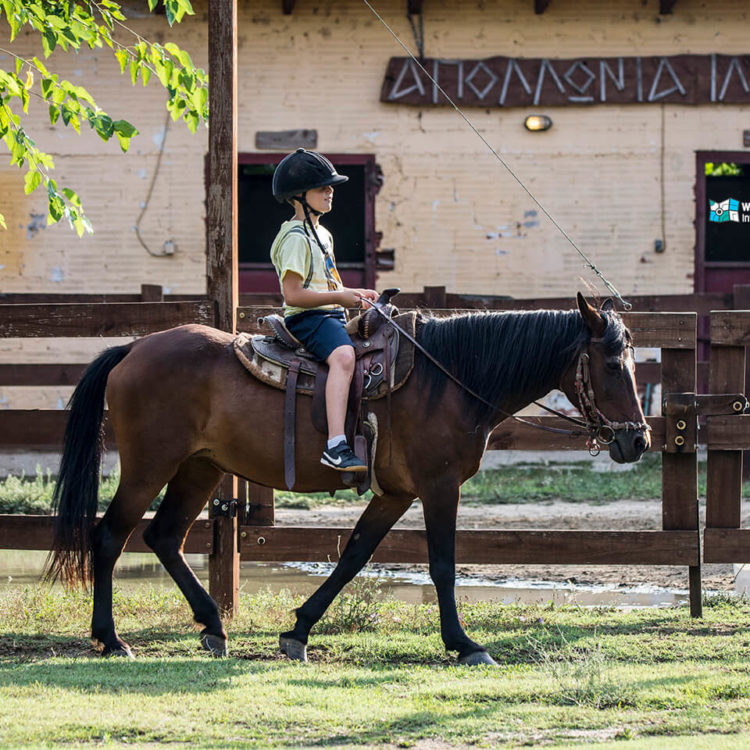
{"x": 19, "y": 568}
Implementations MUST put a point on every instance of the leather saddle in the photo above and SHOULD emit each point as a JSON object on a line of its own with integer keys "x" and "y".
{"x": 384, "y": 361}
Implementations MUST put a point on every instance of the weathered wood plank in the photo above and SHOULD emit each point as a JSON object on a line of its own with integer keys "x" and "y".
{"x": 100, "y": 319}
{"x": 44, "y": 428}
{"x": 35, "y": 532}
{"x": 316, "y": 544}
{"x": 679, "y": 471}
{"x": 512, "y": 435}
{"x": 286, "y": 140}
{"x": 726, "y": 545}
{"x": 221, "y": 213}
{"x": 724, "y": 468}
{"x": 730, "y": 328}
{"x": 730, "y": 433}
{"x": 674, "y": 330}
{"x": 35, "y": 375}
{"x": 221, "y": 267}
{"x": 38, "y": 429}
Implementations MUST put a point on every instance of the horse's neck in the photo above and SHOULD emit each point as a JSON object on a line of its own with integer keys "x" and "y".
{"x": 521, "y": 393}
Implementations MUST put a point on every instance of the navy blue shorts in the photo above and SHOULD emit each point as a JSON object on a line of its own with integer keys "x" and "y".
{"x": 320, "y": 331}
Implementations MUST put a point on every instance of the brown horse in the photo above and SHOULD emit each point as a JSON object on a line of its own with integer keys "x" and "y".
{"x": 184, "y": 412}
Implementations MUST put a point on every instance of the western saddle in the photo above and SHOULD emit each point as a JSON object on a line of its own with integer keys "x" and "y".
{"x": 383, "y": 364}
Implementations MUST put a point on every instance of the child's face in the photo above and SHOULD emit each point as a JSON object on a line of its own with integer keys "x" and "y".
{"x": 321, "y": 199}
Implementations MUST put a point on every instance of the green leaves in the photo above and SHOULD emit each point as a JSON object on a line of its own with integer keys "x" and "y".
{"x": 68, "y": 25}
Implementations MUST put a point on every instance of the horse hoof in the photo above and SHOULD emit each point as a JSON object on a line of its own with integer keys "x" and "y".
{"x": 123, "y": 652}
{"x": 294, "y": 649}
{"x": 477, "y": 658}
{"x": 215, "y": 645}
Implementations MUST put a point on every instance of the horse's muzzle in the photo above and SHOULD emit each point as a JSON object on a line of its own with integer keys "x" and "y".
{"x": 629, "y": 445}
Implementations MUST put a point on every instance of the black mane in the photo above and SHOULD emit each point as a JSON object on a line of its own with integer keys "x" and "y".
{"x": 508, "y": 358}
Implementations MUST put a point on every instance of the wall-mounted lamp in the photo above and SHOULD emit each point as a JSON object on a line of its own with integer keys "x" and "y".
{"x": 536, "y": 123}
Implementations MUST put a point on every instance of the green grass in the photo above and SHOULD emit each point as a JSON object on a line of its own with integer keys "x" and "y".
{"x": 378, "y": 676}
{"x": 577, "y": 482}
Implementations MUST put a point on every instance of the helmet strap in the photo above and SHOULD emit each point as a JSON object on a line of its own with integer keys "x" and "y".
{"x": 309, "y": 210}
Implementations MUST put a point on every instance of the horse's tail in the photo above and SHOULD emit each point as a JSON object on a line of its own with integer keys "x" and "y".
{"x": 76, "y": 493}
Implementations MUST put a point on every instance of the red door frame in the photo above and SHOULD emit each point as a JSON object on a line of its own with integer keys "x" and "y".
{"x": 373, "y": 181}
{"x": 704, "y": 270}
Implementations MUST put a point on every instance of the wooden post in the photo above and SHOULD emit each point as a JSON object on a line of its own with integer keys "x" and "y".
{"x": 434, "y": 297}
{"x": 680, "y": 470}
{"x": 221, "y": 260}
{"x": 724, "y": 470}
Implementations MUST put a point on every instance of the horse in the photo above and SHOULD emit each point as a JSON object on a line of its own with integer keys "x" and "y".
{"x": 184, "y": 412}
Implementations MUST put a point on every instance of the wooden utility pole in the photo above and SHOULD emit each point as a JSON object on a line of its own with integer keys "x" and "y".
{"x": 224, "y": 562}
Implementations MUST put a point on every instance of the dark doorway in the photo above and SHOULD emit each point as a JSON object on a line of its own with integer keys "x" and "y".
{"x": 722, "y": 251}
{"x": 352, "y": 221}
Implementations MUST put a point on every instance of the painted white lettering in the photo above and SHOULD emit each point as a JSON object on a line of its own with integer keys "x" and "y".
{"x": 733, "y": 66}
{"x": 408, "y": 68}
{"x": 513, "y": 67}
{"x": 546, "y": 65}
{"x": 436, "y": 77}
{"x": 604, "y": 71}
{"x": 654, "y": 94}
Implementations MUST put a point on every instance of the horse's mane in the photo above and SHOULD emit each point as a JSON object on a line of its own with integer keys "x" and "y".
{"x": 506, "y": 354}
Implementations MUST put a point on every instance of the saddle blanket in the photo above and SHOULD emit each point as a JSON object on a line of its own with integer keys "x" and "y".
{"x": 267, "y": 359}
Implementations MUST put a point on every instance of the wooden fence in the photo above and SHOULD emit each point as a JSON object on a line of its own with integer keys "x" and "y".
{"x": 241, "y": 523}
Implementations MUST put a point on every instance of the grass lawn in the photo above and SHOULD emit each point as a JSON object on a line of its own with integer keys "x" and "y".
{"x": 378, "y": 676}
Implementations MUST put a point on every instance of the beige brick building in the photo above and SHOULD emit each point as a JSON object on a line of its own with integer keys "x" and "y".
{"x": 617, "y": 177}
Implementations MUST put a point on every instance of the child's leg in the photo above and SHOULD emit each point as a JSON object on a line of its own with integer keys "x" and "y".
{"x": 340, "y": 371}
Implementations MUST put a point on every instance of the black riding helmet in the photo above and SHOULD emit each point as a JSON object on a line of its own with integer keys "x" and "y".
{"x": 302, "y": 171}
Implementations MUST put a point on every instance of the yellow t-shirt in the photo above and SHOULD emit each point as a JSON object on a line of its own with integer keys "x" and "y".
{"x": 296, "y": 250}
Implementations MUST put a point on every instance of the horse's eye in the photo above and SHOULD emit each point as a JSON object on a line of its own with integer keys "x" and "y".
{"x": 613, "y": 364}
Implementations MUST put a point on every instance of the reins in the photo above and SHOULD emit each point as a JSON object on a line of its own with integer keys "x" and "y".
{"x": 626, "y": 305}
{"x": 594, "y": 422}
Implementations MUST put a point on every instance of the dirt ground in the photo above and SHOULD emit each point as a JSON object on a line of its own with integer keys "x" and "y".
{"x": 623, "y": 515}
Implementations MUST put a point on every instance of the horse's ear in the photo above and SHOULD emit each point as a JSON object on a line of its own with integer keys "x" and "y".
{"x": 608, "y": 305}
{"x": 594, "y": 320}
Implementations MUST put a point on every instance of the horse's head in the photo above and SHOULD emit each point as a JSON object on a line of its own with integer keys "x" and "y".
{"x": 601, "y": 383}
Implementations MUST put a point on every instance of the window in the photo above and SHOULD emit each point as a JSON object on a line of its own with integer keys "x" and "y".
{"x": 351, "y": 222}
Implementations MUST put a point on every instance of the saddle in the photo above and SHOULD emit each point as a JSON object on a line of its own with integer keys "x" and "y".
{"x": 384, "y": 361}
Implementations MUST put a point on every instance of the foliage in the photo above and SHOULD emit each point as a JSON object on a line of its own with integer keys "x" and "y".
{"x": 723, "y": 169}
{"x": 69, "y": 26}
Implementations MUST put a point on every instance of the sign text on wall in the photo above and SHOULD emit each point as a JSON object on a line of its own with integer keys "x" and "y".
{"x": 518, "y": 82}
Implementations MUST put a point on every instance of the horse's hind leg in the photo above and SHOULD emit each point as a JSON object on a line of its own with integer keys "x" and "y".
{"x": 110, "y": 536}
{"x": 440, "y": 507}
{"x": 373, "y": 525}
{"x": 187, "y": 493}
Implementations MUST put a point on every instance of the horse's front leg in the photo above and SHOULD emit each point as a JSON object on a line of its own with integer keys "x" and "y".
{"x": 373, "y": 525}
{"x": 440, "y": 507}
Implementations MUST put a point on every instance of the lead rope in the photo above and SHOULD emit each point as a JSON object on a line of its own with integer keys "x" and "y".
{"x": 610, "y": 287}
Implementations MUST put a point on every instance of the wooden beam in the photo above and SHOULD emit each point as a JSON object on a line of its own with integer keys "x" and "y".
{"x": 495, "y": 547}
{"x": 221, "y": 256}
{"x": 666, "y": 6}
{"x": 62, "y": 374}
{"x": 540, "y": 6}
{"x": 100, "y": 319}
{"x": 726, "y": 545}
{"x": 35, "y": 532}
{"x": 222, "y": 163}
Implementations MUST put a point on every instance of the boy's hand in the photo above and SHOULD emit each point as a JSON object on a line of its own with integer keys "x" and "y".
{"x": 366, "y": 296}
{"x": 357, "y": 297}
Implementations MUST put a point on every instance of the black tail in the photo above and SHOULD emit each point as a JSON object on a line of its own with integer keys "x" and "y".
{"x": 77, "y": 490}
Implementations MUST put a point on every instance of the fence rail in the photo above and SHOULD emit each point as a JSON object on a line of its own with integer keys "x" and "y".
{"x": 673, "y": 330}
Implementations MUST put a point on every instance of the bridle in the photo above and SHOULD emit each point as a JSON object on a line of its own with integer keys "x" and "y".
{"x": 600, "y": 429}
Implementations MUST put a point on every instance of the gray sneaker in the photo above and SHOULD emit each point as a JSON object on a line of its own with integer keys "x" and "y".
{"x": 341, "y": 458}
